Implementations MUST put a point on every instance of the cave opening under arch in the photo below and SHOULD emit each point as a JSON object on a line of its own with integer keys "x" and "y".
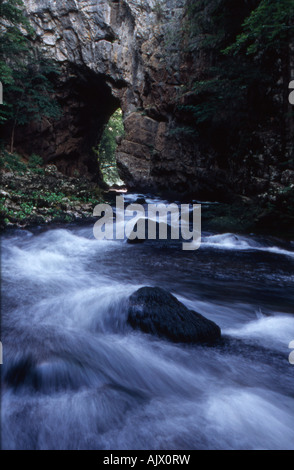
{"x": 87, "y": 101}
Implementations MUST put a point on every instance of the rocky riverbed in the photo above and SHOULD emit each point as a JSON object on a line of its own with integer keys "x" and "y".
{"x": 77, "y": 375}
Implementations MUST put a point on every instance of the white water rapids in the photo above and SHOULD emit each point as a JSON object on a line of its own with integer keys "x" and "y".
{"x": 76, "y": 376}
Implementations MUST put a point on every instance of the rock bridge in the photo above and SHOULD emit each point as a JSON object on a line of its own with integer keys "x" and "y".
{"x": 112, "y": 54}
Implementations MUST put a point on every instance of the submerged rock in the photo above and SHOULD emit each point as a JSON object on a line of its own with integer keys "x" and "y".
{"x": 20, "y": 373}
{"x": 156, "y": 311}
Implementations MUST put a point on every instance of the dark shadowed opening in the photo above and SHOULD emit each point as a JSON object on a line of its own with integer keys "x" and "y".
{"x": 87, "y": 103}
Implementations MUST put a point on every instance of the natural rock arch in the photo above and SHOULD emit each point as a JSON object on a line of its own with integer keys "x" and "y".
{"x": 117, "y": 53}
{"x": 87, "y": 104}
{"x": 93, "y": 41}
{"x": 112, "y": 55}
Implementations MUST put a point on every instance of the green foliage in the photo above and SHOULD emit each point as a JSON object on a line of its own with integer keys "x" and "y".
{"x": 26, "y": 208}
{"x": 26, "y": 74}
{"x": 35, "y": 161}
{"x": 15, "y": 34}
{"x": 107, "y": 148}
{"x": 214, "y": 24}
{"x": 230, "y": 33}
{"x": 31, "y": 92}
{"x": 12, "y": 10}
{"x": 204, "y": 26}
{"x": 48, "y": 197}
{"x": 35, "y": 164}
{"x": 225, "y": 93}
{"x": 267, "y": 28}
{"x": 12, "y": 163}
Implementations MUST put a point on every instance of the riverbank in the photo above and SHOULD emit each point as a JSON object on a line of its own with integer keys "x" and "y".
{"x": 33, "y": 195}
{"x": 264, "y": 215}
{"x": 43, "y": 195}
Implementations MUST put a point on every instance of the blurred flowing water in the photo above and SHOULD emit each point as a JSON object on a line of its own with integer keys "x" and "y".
{"x": 76, "y": 376}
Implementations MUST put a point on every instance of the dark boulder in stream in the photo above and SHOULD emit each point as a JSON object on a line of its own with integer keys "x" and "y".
{"x": 154, "y": 310}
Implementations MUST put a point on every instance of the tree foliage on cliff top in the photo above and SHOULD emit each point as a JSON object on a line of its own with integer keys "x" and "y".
{"x": 247, "y": 49}
{"x": 269, "y": 27}
{"x": 255, "y": 24}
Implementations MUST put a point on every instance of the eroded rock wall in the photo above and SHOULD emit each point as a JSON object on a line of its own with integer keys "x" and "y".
{"x": 115, "y": 53}
{"x": 128, "y": 54}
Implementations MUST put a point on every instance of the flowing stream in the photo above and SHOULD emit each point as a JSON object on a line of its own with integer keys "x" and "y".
{"x": 76, "y": 376}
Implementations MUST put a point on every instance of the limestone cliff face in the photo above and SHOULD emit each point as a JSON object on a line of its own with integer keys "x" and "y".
{"x": 112, "y": 55}
{"x": 119, "y": 53}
